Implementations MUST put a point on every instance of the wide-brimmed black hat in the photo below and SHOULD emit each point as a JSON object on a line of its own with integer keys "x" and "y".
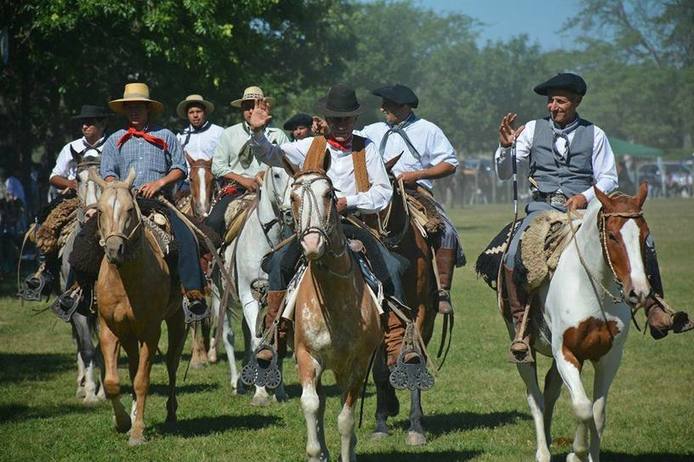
{"x": 341, "y": 101}
{"x": 92, "y": 112}
{"x": 398, "y": 93}
{"x": 563, "y": 81}
{"x": 298, "y": 120}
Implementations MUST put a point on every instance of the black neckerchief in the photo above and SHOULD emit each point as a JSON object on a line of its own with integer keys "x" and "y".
{"x": 190, "y": 131}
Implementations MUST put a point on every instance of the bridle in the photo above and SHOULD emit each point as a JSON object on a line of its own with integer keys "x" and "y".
{"x": 602, "y": 228}
{"x": 282, "y": 214}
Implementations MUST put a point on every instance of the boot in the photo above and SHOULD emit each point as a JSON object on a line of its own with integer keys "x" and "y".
{"x": 274, "y": 303}
{"x": 518, "y": 301}
{"x": 660, "y": 319}
{"x": 195, "y": 306}
{"x": 445, "y": 263}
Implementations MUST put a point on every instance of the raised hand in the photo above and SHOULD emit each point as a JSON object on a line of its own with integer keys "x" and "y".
{"x": 319, "y": 126}
{"x": 260, "y": 116}
{"x": 507, "y": 134}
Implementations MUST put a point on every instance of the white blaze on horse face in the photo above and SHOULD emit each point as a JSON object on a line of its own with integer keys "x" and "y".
{"x": 203, "y": 206}
{"x": 314, "y": 212}
{"x": 639, "y": 283}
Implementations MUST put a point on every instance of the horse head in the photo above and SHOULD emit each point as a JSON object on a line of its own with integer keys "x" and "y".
{"x": 276, "y": 188}
{"x": 87, "y": 189}
{"x": 623, "y": 232}
{"x": 315, "y": 215}
{"x": 119, "y": 216}
{"x": 201, "y": 185}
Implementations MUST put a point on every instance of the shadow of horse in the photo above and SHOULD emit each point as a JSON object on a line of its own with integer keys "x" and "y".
{"x": 611, "y": 456}
{"x": 163, "y": 390}
{"x": 438, "y": 456}
{"x": 20, "y": 412}
{"x": 207, "y": 425}
{"x": 438, "y": 424}
{"x": 19, "y": 367}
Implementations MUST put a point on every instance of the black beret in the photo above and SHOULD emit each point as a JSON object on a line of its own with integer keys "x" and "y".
{"x": 398, "y": 93}
{"x": 298, "y": 119}
{"x": 563, "y": 81}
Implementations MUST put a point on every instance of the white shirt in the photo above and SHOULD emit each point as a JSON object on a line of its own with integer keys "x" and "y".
{"x": 428, "y": 139}
{"x": 200, "y": 144}
{"x": 66, "y": 166}
{"x": 341, "y": 171}
{"x": 604, "y": 169}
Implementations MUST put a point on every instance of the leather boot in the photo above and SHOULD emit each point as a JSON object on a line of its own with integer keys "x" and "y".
{"x": 445, "y": 263}
{"x": 274, "y": 303}
{"x": 517, "y": 301}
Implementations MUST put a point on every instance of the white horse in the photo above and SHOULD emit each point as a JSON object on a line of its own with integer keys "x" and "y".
{"x": 578, "y": 316}
{"x": 261, "y": 232}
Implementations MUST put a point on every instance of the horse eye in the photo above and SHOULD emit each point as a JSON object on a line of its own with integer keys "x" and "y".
{"x": 276, "y": 175}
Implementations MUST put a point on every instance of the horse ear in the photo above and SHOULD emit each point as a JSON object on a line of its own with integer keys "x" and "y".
{"x": 391, "y": 163}
{"x": 76, "y": 156}
{"x": 131, "y": 177}
{"x": 96, "y": 178}
{"x": 188, "y": 158}
{"x": 289, "y": 167}
{"x": 642, "y": 194}
{"x": 602, "y": 197}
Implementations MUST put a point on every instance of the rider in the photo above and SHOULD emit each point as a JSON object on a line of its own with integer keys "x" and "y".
{"x": 201, "y": 137}
{"x": 157, "y": 158}
{"x": 299, "y": 126}
{"x": 567, "y": 156}
{"x": 233, "y": 159}
{"x": 426, "y": 155}
{"x": 340, "y": 109}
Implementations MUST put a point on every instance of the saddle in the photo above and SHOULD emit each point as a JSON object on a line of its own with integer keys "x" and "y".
{"x": 423, "y": 212}
{"x": 235, "y": 215}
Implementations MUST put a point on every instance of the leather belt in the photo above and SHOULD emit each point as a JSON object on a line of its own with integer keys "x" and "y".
{"x": 554, "y": 199}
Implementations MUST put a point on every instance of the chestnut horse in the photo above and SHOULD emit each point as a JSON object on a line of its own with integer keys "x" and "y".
{"x": 421, "y": 294}
{"x": 136, "y": 292}
{"x": 336, "y": 318}
{"x": 579, "y": 316}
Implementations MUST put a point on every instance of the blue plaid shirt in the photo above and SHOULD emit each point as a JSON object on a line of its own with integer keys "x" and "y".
{"x": 150, "y": 162}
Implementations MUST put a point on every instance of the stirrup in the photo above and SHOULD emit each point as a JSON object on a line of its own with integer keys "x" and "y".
{"x": 36, "y": 285}
{"x": 519, "y": 357}
{"x": 190, "y": 315}
{"x": 262, "y": 373}
{"x": 411, "y": 375}
{"x": 67, "y": 303}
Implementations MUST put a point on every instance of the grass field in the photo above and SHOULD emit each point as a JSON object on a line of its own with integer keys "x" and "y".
{"x": 476, "y": 411}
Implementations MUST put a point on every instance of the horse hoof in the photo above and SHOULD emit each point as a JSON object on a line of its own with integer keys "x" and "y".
{"x": 91, "y": 401}
{"x": 212, "y": 357}
{"x": 198, "y": 365}
{"x": 572, "y": 457}
{"x": 261, "y": 401}
{"x": 281, "y": 397}
{"x": 415, "y": 439}
{"x": 81, "y": 393}
{"x": 379, "y": 435}
{"x": 135, "y": 441}
{"x": 122, "y": 425}
{"x": 240, "y": 388}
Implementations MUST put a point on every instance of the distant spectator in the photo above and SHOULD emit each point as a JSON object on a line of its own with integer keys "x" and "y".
{"x": 624, "y": 180}
{"x": 299, "y": 126}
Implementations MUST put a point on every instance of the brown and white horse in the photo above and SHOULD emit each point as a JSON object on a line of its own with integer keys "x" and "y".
{"x": 336, "y": 320}
{"x": 136, "y": 292}
{"x": 201, "y": 186}
{"x": 579, "y": 316}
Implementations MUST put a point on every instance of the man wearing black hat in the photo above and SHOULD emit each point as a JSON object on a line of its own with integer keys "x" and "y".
{"x": 92, "y": 120}
{"x": 340, "y": 108}
{"x": 426, "y": 155}
{"x": 567, "y": 156}
{"x": 299, "y": 126}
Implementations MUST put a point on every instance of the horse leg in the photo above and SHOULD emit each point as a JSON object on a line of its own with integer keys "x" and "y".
{"x": 345, "y": 421}
{"x": 415, "y": 434}
{"x": 229, "y": 338}
{"x": 176, "y": 328}
{"x": 212, "y": 324}
{"x": 536, "y": 402}
{"x": 110, "y": 345}
{"x": 582, "y": 406}
{"x": 552, "y": 391}
{"x": 199, "y": 355}
{"x": 605, "y": 371}
{"x": 87, "y": 355}
{"x": 387, "y": 404}
{"x": 80, "y": 393}
{"x": 141, "y": 385}
{"x": 311, "y": 404}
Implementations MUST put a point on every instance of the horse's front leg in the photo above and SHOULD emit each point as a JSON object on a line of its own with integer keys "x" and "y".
{"x": 86, "y": 356}
{"x": 552, "y": 391}
{"x": 141, "y": 385}
{"x": 110, "y": 346}
{"x": 582, "y": 406}
{"x": 605, "y": 371}
{"x": 536, "y": 403}
{"x": 345, "y": 421}
{"x": 313, "y": 406}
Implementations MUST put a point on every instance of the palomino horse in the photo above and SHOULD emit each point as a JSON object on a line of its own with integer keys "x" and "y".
{"x": 136, "y": 292}
{"x": 263, "y": 230}
{"x": 330, "y": 331}
{"x": 577, "y": 317}
{"x": 421, "y": 295}
{"x": 83, "y": 322}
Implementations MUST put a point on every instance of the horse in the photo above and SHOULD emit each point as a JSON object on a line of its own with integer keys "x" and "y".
{"x": 136, "y": 292}
{"x": 576, "y": 317}
{"x": 262, "y": 231}
{"x": 421, "y": 294}
{"x": 330, "y": 332}
{"x": 83, "y": 322}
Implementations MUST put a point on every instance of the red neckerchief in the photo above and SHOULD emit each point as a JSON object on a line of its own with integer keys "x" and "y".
{"x": 132, "y": 131}
{"x": 345, "y": 146}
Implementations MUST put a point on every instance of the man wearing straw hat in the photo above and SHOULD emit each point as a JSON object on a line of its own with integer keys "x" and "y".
{"x": 157, "y": 158}
{"x": 92, "y": 120}
{"x": 233, "y": 160}
{"x": 201, "y": 137}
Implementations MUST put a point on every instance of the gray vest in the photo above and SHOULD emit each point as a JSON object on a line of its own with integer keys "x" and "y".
{"x": 572, "y": 175}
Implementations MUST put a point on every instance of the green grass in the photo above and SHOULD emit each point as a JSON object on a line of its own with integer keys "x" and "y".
{"x": 477, "y": 410}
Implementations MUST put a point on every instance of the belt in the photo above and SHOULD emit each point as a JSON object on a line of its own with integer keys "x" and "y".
{"x": 553, "y": 199}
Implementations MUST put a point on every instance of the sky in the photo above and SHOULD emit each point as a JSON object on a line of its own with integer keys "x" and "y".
{"x": 541, "y": 20}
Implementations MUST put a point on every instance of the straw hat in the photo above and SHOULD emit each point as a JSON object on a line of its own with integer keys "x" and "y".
{"x": 182, "y": 108}
{"x": 252, "y": 94}
{"x": 135, "y": 92}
